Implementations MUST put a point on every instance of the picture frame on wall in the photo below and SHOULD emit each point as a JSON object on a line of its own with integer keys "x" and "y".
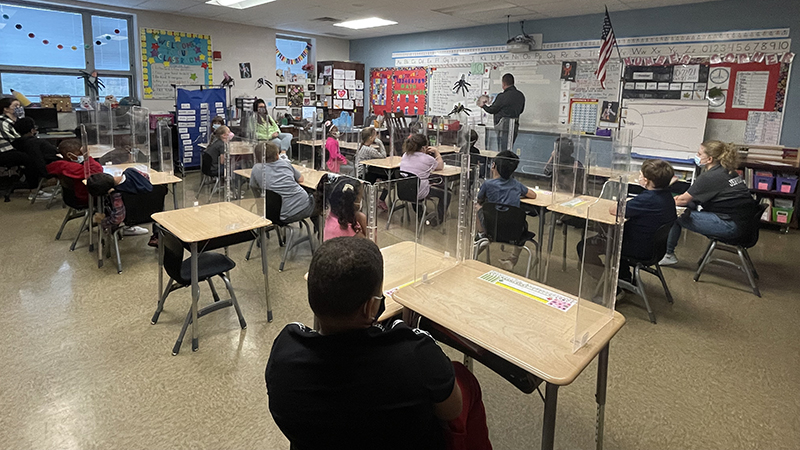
{"x": 280, "y": 89}
{"x": 281, "y": 101}
{"x": 312, "y": 87}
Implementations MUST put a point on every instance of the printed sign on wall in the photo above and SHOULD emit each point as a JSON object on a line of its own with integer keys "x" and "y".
{"x": 173, "y": 57}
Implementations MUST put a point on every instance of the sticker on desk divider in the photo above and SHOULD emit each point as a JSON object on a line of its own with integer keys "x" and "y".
{"x": 529, "y": 290}
{"x": 574, "y": 202}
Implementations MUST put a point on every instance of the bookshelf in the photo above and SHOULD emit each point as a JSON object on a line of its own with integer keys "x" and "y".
{"x": 775, "y": 181}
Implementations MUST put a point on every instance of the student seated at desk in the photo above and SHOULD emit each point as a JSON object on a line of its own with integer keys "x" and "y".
{"x": 358, "y": 385}
{"x": 342, "y": 199}
{"x": 421, "y": 160}
{"x": 369, "y": 136}
{"x": 644, "y": 214}
{"x": 267, "y": 129}
{"x": 569, "y": 172}
{"x": 335, "y": 157}
{"x": 503, "y": 189}
{"x": 110, "y": 188}
{"x": 216, "y": 149}
{"x": 40, "y": 151}
{"x": 718, "y": 203}
{"x": 70, "y": 169}
{"x": 284, "y": 180}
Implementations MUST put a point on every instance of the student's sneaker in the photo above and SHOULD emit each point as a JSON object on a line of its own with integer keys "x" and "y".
{"x": 668, "y": 260}
{"x": 508, "y": 263}
{"x": 42, "y": 195}
{"x": 134, "y": 231}
{"x": 432, "y": 220}
{"x": 382, "y": 205}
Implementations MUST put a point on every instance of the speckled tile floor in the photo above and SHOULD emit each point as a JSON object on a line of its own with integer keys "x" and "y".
{"x": 82, "y": 368}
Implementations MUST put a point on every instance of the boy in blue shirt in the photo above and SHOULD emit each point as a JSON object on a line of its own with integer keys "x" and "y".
{"x": 644, "y": 214}
{"x": 502, "y": 189}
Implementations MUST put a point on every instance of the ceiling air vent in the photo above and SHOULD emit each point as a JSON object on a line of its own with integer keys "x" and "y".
{"x": 326, "y": 19}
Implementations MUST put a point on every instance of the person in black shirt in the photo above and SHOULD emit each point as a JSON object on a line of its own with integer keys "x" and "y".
{"x": 41, "y": 151}
{"x": 718, "y": 203}
{"x": 357, "y": 385}
{"x": 644, "y": 214}
{"x": 508, "y": 104}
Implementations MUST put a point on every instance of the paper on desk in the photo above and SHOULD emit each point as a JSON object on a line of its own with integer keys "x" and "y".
{"x": 574, "y": 202}
{"x": 529, "y": 290}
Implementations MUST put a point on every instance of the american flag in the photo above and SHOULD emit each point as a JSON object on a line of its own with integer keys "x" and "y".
{"x": 609, "y": 41}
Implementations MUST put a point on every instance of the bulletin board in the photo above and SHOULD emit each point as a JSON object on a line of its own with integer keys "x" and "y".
{"x": 173, "y": 57}
{"x": 754, "y": 99}
{"x": 403, "y": 89}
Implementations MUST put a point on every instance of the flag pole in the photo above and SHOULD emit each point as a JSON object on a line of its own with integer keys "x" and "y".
{"x": 621, "y": 81}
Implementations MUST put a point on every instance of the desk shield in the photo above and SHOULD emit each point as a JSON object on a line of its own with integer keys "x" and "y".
{"x": 311, "y": 143}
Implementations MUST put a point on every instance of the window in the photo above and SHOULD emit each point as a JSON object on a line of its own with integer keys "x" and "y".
{"x": 43, "y": 50}
{"x": 289, "y": 50}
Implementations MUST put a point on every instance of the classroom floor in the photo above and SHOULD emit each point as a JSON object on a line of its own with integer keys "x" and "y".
{"x": 83, "y": 368}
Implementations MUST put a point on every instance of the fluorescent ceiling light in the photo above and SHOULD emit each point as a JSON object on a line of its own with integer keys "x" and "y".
{"x": 238, "y": 4}
{"x": 370, "y": 22}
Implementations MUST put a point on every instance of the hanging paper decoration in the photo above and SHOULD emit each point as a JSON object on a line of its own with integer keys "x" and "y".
{"x": 99, "y": 40}
{"x": 293, "y": 61}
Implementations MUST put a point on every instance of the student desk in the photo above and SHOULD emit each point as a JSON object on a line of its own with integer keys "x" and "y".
{"x": 237, "y": 149}
{"x": 205, "y": 224}
{"x": 541, "y": 202}
{"x": 313, "y": 144}
{"x": 529, "y": 334}
{"x": 156, "y": 178}
{"x": 311, "y": 177}
{"x": 446, "y": 149}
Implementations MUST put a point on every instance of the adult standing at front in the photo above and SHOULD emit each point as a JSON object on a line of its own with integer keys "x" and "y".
{"x": 268, "y": 130}
{"x": 727, "y": 206}
{"x": 508, "y": 104}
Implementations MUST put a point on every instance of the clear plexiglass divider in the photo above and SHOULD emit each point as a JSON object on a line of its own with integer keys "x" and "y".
{"x": 310, "y": 148}
{"x": 349, "y": 143}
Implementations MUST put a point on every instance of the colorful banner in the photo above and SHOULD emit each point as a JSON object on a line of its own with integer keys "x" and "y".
{"x": 293, "y": 61}
{"x": 173, "y": 57}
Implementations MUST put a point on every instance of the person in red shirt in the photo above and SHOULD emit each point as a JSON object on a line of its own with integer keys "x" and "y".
{"x": 70, "y": 169}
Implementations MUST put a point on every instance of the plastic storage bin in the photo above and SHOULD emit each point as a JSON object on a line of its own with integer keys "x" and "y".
{"x": 782, "y": 215}
{"x": 785, "y": 185}
{"x": 763, "y": 182}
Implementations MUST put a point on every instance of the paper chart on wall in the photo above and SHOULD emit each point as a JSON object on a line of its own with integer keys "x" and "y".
{"x": 349, "y": 74}
{"x": 338, "y": 73}
{"x": 750, "y": 91}
{"x": 586, "y": 84}
{"x": 442, "y": 99}
{"x": 349, "y": 84}
{"x": 763, "y": 127}
{"x": 338, "y": 84}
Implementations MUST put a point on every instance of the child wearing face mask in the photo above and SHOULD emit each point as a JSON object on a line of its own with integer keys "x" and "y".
{"x": 70, "y": 169}
{"x": 216, "y": 148}
{"x": 343, "y": 197}
{"x": 335, "y": 157}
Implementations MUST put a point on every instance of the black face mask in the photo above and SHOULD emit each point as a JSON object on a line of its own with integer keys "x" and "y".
{"x": 381, "y": 308}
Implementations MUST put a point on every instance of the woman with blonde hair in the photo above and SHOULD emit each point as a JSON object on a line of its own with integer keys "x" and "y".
{"x": 726, "y": 203}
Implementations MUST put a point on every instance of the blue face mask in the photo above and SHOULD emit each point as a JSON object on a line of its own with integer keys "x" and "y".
{"x": 697, "y": 161}
{"x": 215, "y": 126}
{"x": 80, "y": 159}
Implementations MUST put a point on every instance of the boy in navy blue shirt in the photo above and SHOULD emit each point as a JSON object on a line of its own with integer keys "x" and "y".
{"x": 502, "y": 189}
{"x": 644, "y": 214}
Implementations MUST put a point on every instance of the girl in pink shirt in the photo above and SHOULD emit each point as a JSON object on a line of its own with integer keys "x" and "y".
{"x": 343, "y": 201}
{"x": 335, "y": 157}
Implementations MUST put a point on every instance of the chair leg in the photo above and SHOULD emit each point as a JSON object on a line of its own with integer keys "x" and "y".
{"x": 747, "y": 270}
{"x": 664, "y": 283}
{"x": 391, "y": 211}
{"x": 56, "y": 192}
{"x": 80, "y": 230}
{"x": 708, "y": 247}
{"x": 640, "y": 288}
{"x": 213, "y": 289}
{"x": 200, "y": 188}
{"x": 115, "y": 238}
{"x": 160, "y": 305}
{"x": 32, "y": 196}
{"x": 250, "y": 250}
{"x": 706, "y": 259}
{"x": 242, "y": 322}
{"x": 308, "y": 234}
{"x": 289, "y": 243}
{"x": 67, "y": 218}
{"x": 478, "y": 247}
{"x": 750, "y": 261}
{"x": 177, "y": 347}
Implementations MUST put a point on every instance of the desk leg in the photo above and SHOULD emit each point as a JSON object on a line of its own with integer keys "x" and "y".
{"x": 263, "y": 236}
{"x": 174, "y": 196}
{"x": 549, "y": 426}
{"x": 549, "y": 246}
{"x": 195, "y": 295}
{"x": 160, "y": 262}
{"x": 91, "y": 221}
{"x": 600, "y": 396}
{"x": 542, "y": 212}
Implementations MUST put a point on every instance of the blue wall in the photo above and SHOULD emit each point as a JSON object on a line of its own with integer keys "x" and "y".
{"x": 703, "y": 17}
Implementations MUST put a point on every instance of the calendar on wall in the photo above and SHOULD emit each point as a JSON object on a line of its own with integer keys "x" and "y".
{"x": 583, "y": 114}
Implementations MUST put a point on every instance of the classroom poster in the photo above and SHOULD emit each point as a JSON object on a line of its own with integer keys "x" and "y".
{"x": 173, "y": 57}
{"x": 195, "y": 110}
{"x": 401, "y": 89}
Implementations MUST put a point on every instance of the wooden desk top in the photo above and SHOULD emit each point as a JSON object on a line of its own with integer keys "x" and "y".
{"x": 200, "y": 223}
{"x": 314, "y": 143}
{"x": 633, "y": 177}
{"x": 489, "y": 153}
{"x": 543, "y": 198}
{"x": 241, "y": 148}
{"x": 445, "y": 149}
{"x": 404, "y": 263}
{"x": 311, "y": 177}
{"x": 596, "y": 208}
{"x": 156, "y": 177}
{"x": 99, "y": 150}
{"x": 536, "y": 337}
{"x": 349, "y": 145}
{"x": 447, "y": 171}
{"x": 390, "y": 162}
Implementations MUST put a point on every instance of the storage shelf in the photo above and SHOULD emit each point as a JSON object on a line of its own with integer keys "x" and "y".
{"x": 773, "y": 193}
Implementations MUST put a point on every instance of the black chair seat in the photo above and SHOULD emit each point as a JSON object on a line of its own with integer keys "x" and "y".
{"x": 527, "y": 236}
{"x": 209, "y": 264}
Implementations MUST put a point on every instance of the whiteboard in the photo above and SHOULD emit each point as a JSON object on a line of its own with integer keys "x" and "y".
{"x": 442, "y": 99}
{"x": 666, "y": 128}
